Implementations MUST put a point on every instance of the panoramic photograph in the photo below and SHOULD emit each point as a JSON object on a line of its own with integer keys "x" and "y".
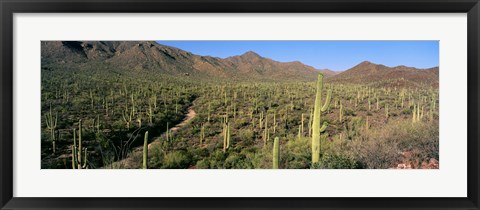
{"x": 240, "y": 104}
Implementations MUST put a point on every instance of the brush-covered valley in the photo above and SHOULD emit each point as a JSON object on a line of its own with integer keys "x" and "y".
{"x": 141, "y": 104}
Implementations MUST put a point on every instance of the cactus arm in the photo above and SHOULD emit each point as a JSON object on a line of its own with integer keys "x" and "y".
{"x": 324, "y": 127}
{"x": 46, "y": 121}
{"x": 327, "y": 101}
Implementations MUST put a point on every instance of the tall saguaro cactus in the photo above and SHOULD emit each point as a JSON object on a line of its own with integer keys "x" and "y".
{"x": 317, "y": 112}
{"x": 276, "y": 153}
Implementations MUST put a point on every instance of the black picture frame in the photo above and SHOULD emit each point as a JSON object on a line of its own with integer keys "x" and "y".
{"x": 9, "y": 7}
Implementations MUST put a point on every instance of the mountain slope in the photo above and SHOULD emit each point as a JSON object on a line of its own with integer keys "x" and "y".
{"x": 153, "y": 57}
{"x": 381, "y": 75}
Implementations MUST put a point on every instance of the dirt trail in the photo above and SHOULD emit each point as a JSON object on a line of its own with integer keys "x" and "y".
{"x": 189, "y": 117}
{"x": 131, "y": 160}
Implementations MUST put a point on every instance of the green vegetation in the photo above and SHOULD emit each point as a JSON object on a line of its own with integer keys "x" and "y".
{"x": 94, "y": 117}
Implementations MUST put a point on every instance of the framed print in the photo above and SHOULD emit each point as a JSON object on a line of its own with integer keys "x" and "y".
{"x": 239, "y": 105}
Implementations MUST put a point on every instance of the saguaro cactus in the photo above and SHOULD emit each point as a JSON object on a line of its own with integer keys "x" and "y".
{"x": 367, "y": 126}
{"x": 341, "y": 113}
{"x": 302, "y": 126}
{"x": 261, "y": 120}
{"x": 85, "y": 158}
{"x": 209, "y": 110}
{"x": 418, "y": 112}
{"x": 51, "y": 125}
{"x": 414, "y": 114}
{"x": 127, "y": 117}
{"x": 97, "y": 124}
{"x": 421, "y": 114}
{"x": 276, "y": 153}
{"x": 265, "y": 132}
{"x": 386, "y": 111}
{"x": 79, "y": 150}
{"x": 317, "y": 112}
{"x": 369, "y": 104}
{"x": 226, "y": 136}
{"x": 77, "y": 161}
{"x": 299, "y": 132}
{"x": 167, "y": 135}
{"x": 274, "y": 122}
{"x": 431, "y": 110}
{"x": 74, "y": 150}
{"x": 202, "y": 134}
{"x": 145, "y": 151}
{"x": 150, "y": 113}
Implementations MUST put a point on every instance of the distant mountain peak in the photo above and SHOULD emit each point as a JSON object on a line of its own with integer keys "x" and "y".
{"x": 366, "y": 63}
{"x": 367, "y": 72}
{"x": 250, "y": 54}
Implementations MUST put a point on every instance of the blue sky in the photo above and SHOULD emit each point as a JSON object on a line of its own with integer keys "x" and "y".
{"x": 334, "y": 55}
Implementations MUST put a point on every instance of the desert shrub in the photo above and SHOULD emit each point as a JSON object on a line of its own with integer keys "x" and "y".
{"x": 199, "y": 153}
{"x": 375, "y": 153}
{"x": 422, "y": 141}
{"x": 349, "y": 112}
{"x": 246, "y": 136}
{"x": 237, "y": 161}
{"x": 156, "y": 157}
{"x": 239, "y": 123}
{"x": 216, "y": 159}
{"x": 195, "y": 130}
{"x": 257, "y": 159}
{"x": 177, "y": 159}
{"x": 336, "y": 161}
{"x": 353, "y": 127}
{"x": 407, "y": 111}
{"x": 382, "y": 148}
{"x": 297, "y": 154}
{"x": 203, "y": 164}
